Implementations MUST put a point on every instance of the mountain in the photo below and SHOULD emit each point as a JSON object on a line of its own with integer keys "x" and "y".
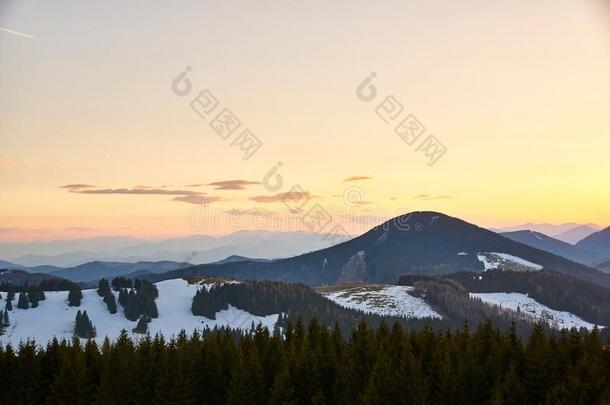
{"x": 598, "y": 242}
{"x": 550, "y": 229}
{"x": 196, "y": 249}
{"x": 94, "y": 271}
{"x": 428, "y": 243}
{"x": 605, "y": 267}
{"x": 543, "y": 242}
{"x": 576, "y": 234}
{"x": 8, "y": 265}
{"x": 20, "y": 277}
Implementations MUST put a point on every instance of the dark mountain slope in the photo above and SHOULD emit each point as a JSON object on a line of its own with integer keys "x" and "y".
{"x": 598, "y": 242}
{"x": 20, "y": 277}
{"x": 96, "y": 270}
{"x": 543, "y": 242}
{"x": 427, "y": 243}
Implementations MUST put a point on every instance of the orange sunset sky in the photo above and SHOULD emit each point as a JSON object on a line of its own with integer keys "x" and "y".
{"x": 94, "y": 141}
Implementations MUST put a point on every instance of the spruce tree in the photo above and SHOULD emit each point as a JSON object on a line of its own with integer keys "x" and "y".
{"x": 5, "y": 320}
{"x": 22, "y": 302}
{"x": 74, "y": 296}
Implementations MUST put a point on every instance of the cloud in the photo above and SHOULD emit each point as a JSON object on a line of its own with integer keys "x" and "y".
{"x": 75, "y": 187}
{"x": 187, "y": 196}
{"x": 233, "y": 184}
{"x": 288, "y": 196}
{"x": 197, "y": 198}
{"x": 5, "y": 163}
{"x": 427, "y": 197}
{"x": 20, "y": 34}
{"x": 356, "y": 178}
{"x": 255, "y": 212}
{"x": 132, "y": 191}
{"x": 363, "y": 202}
{"x": 193, "y": 185}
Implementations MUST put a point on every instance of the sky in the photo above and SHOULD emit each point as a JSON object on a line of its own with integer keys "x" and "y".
{"x": 100, "y": 135}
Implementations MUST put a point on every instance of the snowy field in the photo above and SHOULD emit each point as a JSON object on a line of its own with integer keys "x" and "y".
{"x": 493, "y": 260}
{"x": 54, "y": 317}
{"x": 381, "y": 299}
{"x": 529, "y": 306}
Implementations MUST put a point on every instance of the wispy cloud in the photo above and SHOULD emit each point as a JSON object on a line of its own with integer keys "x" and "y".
{"x": 356, "y": 178}
{"x": 197, "y": 198}
{"x": 187, "y": 196}
{"x": 5, "y": 163}
{"x": 288, "y": 196}
{"x": 426, "y": 197}
{"x": 233, "y": 184}
{"x": 132, "y": 191}
{"x": 75, "y": 187}
{"x": 254, "y": 212}
{"x": 20, "y": 34}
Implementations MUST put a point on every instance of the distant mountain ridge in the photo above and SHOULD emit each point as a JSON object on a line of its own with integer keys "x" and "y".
{"x": 568, "y": 232}
{"x": 598, "y": 242}
{"x": 427, "y": 243}
{"x": 196, "y": 249}
{"x": 544, "y": 242}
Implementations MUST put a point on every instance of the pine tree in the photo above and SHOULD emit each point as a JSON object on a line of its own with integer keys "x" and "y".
{"x": 23, "y": 302}
{"x": 83, "y": 327}
{"x": 5, "y": 320}
{"x": 74, "y": 296}
{"x": 9, "y": 305}
{"x": 142, "y": 326}
{"x": 110, "y": 301}
{"x": 103, "y": 288}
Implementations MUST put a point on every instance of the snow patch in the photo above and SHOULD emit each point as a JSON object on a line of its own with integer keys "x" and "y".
{"x": 532, "y": 308}
{"x": 383, "y": 300}
{"x": 54, "y": 318}
{"x": 493, "y": 260}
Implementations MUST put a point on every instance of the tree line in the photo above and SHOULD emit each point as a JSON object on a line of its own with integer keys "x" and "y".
{"x": 314, "y": 364}
{"x": 558, "y": 291}
{"x": 292, "y": 301}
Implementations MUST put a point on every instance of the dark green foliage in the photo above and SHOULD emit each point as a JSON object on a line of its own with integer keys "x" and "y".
{"x": 47, "y": 284}
{"x": 139, "y": 300}
{"x": 557, "y": 291}
{"x": 103, "y": 288}
{"x": 83, "y": 327}
{"x": 106, "y": 293}
{"x": 110, "y": 302}
{"x": 142, "y": 326}
{"x": 313, "y": 364}
{"x": 119, "y": 283}
{"x": 4, "y": 322}
{"x": 75, "y": 295}
{"x": 263, "y": 298}
{"x": 23, "y": 302}
{"x": 10, "y": 296}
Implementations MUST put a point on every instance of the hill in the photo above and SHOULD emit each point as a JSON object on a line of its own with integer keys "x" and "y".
{"x": 427, "y": 243}
{"x": 598, "y": 242}
{"x": 543, "y": 242}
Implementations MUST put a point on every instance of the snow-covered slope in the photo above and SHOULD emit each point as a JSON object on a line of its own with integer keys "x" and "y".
{"x": 382, "y": 300}
{"x": 529, "y": 307}
{"x": 54, "y": 317}
{"x": 494, "y": 260}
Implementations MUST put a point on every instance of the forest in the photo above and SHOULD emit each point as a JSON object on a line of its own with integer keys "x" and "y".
{"x": 314, "y": 364}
